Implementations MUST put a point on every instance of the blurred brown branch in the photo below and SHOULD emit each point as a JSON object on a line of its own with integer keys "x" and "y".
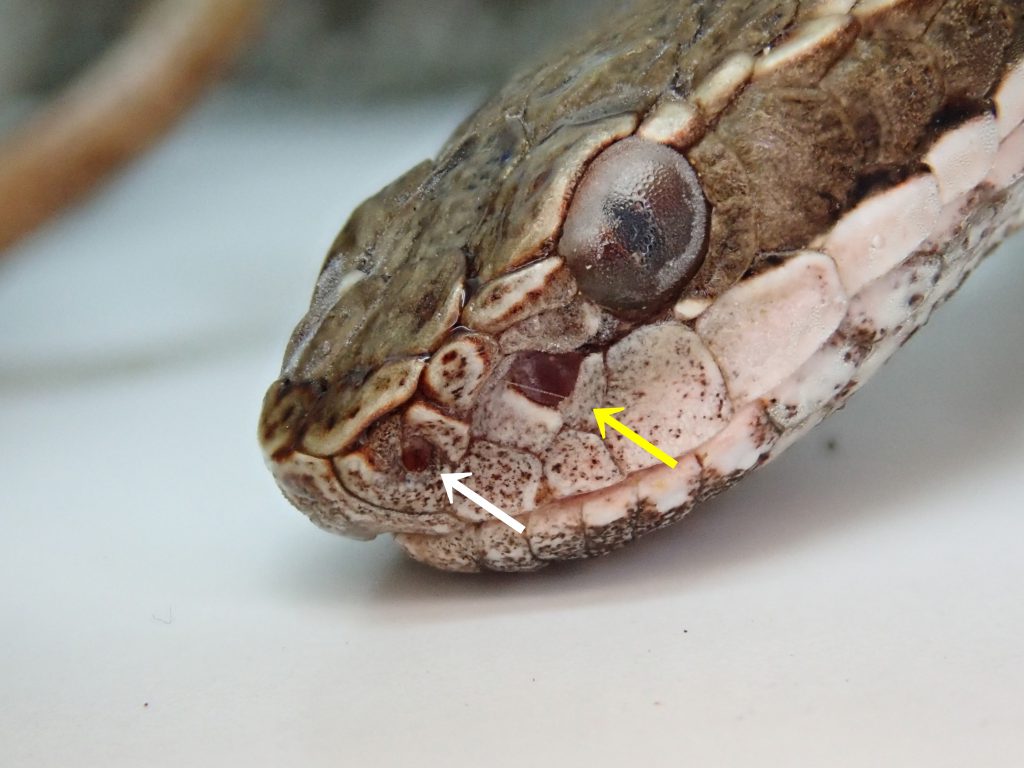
{"x": 118, "y": 107}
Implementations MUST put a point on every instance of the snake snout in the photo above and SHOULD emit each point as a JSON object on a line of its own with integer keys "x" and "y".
{"x": 386, "y": 481}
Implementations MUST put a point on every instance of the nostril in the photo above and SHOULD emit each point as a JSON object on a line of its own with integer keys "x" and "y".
{"x": 417, "y": 454}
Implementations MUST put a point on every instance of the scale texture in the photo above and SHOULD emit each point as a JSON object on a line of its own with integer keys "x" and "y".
{"x": 856, "y": 161}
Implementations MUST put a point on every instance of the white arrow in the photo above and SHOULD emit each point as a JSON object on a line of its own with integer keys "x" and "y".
{"x": 451, "y": 483}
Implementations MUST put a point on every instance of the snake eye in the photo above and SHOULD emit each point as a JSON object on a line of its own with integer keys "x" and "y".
{"x": 636, "y": 230}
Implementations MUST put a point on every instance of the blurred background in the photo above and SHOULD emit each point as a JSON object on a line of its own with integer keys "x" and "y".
{"x": 322, "y": 52}
{"x": 325, "y": 49}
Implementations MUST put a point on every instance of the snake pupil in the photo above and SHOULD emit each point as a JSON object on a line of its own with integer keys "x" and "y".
{"x": 634, "y": 230}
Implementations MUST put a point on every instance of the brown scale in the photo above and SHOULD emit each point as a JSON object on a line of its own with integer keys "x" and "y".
{"x": 887, "y": 117}
{"x": 804, "y": 151}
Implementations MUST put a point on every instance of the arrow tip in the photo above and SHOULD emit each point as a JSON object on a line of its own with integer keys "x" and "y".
{"x": 602, "y": 415}
{"x": 450, "y": 479}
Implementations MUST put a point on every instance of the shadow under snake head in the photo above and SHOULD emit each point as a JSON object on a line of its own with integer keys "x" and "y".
{"x": 721, "y": 216}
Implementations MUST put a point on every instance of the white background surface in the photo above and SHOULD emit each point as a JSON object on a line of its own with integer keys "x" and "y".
{"x": 161, "y": 604}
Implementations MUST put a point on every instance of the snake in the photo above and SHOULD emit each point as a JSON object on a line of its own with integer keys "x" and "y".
{"x": 722, "y": 216}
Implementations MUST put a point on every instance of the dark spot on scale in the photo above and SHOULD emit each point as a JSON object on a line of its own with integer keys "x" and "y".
{"x": 540, "y": 181}
{"x": 356, "y": 377}
{"x": 449, "y": 356}
{"x": 869, "y": 132}
{"x": 448, "y": 163}
{"x": 425, "y": 308}
{"x": 544, "y": 378}
{"x": 417, "y": 454}
{"x": 497, "y": 295}
{"x": 769, "y": 260}
{"x": 833, "y": 205}
{"x": 916, "y": 299}
{"x": 880, "y": 179}
{"x": 958, "y": 111}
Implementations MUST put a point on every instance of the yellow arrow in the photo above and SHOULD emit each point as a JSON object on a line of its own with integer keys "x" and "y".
{"x": 604, "y": 417}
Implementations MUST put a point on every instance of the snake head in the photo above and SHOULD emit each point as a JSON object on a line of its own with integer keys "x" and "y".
{"x": 725, "y": 237}
{"x": 458, "y": 319}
